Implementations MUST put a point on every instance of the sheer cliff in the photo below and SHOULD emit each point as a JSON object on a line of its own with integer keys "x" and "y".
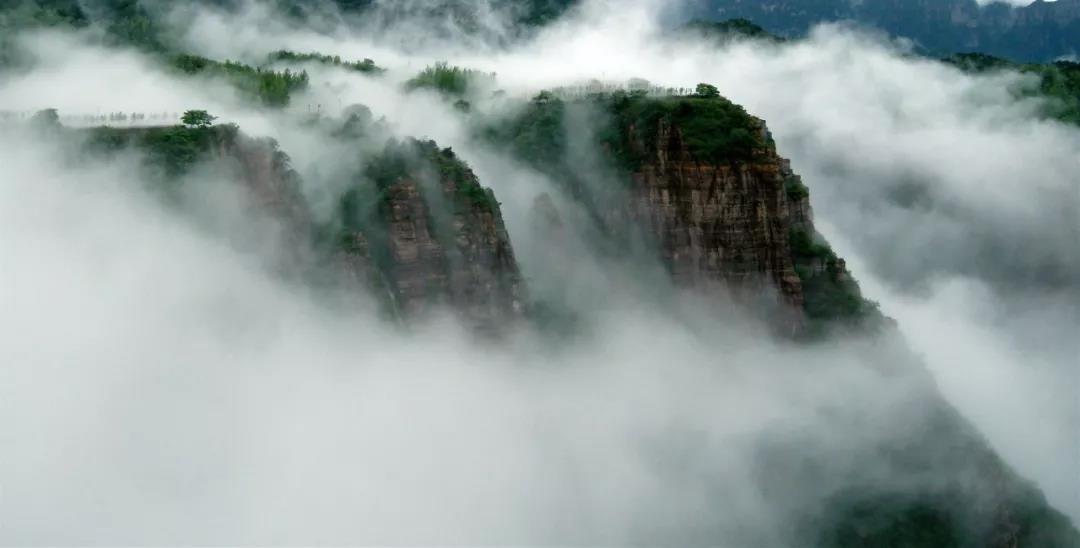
{"x": 419, "y": 222}
{"x": 703, "y": 181}
{"x": 415, "y": 226}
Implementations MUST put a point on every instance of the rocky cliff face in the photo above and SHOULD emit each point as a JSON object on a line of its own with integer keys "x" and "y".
{"x": 702, "y": 180}
{"x": 746, "y": 226}
{"x": 726, "y": 210}
{"x": 433, "y": 236}
{"x": 726, "y": 223}
{"x": 417, "y": 228}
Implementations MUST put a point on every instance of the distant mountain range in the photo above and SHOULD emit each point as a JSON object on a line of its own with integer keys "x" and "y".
{"x": 1041, "y": 31}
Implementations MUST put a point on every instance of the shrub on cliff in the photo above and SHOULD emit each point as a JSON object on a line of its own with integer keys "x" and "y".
{"x": 831, "y": 296}
{"x": 707, "y": 91}
{"x": 713, "y": 128}
{"x": 198, "y": 119}
{"x": 795, "y": 189}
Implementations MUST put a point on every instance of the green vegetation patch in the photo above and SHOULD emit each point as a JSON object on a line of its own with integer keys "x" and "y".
{"x": 713, "y": 128}
{"x": 732, "y": 29}
{"x": 412, "y": 159}
{"x": 170, "y": 152}
{"x": 536, "y": 135}
{"x": 892, "y": 521}
{"x": 271, "y": 88}
{"x": 466, "y": 186}
{"x": 1058, "y": 83}
{"x": 831, "y": 296}
{"x": 126, "y": 23}
{"x": 626, "y": 126}
{"x": 450, "y": 80}
{"x": 28, "y": 15}
{"x": 795, "y": 189}
{"x": 943, "y": 518}
{"x": 366, "y": 66}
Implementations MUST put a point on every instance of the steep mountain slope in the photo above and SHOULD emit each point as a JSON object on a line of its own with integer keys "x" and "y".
{"x": 703, "y": 181}
{"x": 1041, "y": 31}
{"x": 950, "y": 489}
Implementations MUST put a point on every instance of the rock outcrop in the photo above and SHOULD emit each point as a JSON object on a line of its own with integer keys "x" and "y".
{"x": 421, "y": 223}
{"x": 726, "y": 222}
{"x": 703, "y": 182}
{"x": 725, "y": 210}
{"x": 417, "y": 228}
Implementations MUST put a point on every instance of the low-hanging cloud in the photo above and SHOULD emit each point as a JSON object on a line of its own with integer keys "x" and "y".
{"x": 165, "y": 388}
{"x": 162, "y": 387}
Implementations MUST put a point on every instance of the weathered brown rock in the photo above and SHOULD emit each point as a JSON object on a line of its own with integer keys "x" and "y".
{"x": 445, "y": 244}
{"x": 802, "y": 215}
{"x": 433, "y": 237}
{"x": 718, "y": 222}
